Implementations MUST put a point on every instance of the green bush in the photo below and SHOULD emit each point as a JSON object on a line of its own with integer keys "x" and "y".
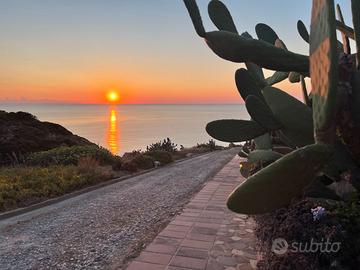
{"x": 163, "y": 157}
{"x": 22, "y": 186}
{"x": 70, "y": 156}
{"x": 165, "y": 145}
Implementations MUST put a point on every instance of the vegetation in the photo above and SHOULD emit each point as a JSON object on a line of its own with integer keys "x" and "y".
{"x": 45, "y": 174}
{"x": 294, "y": 149}
{"x": 162, "y": 156}
{"x": 137, "y": 160}
{"x": 164, "y": 145}
{"x": 22, "y": 186}
{"x": 70, "y": 156}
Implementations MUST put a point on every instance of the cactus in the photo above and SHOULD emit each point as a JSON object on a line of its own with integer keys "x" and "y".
{"x": 346, "y": 42}
{"x": 294, "y": 116}
{"x": 263, "y": 156}
{"x": 355, "y": 8}
{"x": 280, "y": 182}
{"x": 327, "y": 126}
{"x": 266, "y": 33}
{"x": 221, "y": 17}
{"x": 230, "y": 130}
{"x": 263, "y": 142}
{"x": 195, "y": 17}
{"x": 323, "y": 69}
{"x": 261, "y": 113}
{"x": 247, "y": 85}
{"x": 235, "y": 48}
{"x": 303, "y": 31}
{"x": 294, "y": 77}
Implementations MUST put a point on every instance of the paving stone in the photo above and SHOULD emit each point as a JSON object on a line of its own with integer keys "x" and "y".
{"x": 160, "y": 248}
{"x": 167, "y": 241}
{"x": 145, "y": 266}
{"x": 187, "y": 262}
{"x": 155, "y": 258}
{"x": 193, "y": 253}
{"x": 196, "y": 244}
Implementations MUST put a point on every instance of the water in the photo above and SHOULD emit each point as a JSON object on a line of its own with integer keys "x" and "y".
{"x": 124, "y": 128}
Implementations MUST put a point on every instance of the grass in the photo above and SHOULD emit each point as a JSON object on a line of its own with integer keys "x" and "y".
{"x": 22, "y": 186}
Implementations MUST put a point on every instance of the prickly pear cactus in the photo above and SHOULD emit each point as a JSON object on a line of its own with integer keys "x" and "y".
{"x": 277, "y": 170}
{"x": 323, "y": 69}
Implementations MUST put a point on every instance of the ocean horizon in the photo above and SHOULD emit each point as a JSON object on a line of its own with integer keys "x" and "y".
{"x": 127, "y": 127}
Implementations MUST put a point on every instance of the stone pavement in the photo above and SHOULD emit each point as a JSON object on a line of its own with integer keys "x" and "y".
{"x": 206, "y": 235}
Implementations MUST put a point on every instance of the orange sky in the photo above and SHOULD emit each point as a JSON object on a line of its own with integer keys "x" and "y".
{"x": 158, "y": 59}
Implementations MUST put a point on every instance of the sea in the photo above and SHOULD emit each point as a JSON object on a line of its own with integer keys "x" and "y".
{"x": 124, "y": 128}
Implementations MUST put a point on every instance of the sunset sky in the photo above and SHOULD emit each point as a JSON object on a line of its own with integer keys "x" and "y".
{"x": 76, "y": 50}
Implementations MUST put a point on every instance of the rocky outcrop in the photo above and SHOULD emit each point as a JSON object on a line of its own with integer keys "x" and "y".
{"x": 22, "y": 133}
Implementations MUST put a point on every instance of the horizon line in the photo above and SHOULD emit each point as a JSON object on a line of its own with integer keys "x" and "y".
{"x": 117, "y": 104}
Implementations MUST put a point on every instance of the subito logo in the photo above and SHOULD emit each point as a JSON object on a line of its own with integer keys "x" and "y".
{"x": 279, "y": 246}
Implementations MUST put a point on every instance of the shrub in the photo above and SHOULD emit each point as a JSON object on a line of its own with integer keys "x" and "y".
{"x": 87, "y": 164}
{"x": 165, "y": 145}
{"x": 210, "y": 145}
{"x": 136, "y": 160}
{"x": 163, "y": 157}
{"x": 143, "y": 162}
{"x": 22, "y": 186}
{"x": 117, "y": 165}
{"x": 129, "y": 166}
{"x": 70, "y": 156}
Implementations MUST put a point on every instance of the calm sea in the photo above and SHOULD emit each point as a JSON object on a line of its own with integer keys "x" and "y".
{"x": 124, "y": 128}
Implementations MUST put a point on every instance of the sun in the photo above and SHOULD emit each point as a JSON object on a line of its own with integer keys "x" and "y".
{"x": 112, "y": 96}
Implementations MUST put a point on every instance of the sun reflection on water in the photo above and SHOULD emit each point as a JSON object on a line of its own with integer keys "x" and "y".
{"x": 113, "y": 131}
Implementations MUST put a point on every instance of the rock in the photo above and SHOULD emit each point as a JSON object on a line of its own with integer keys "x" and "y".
{"x": 22, "y": 133}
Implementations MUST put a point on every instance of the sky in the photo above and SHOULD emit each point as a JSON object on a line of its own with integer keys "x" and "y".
{"x": 75, "y": 51}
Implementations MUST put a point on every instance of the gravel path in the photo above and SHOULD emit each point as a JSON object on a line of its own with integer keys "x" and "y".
{"x": 102, "y": 229}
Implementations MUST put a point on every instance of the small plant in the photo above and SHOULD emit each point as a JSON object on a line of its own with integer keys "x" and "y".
{"x": 165, "y": 145}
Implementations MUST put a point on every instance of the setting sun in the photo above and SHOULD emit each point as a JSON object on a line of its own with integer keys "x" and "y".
{"x": 112, "y": 96}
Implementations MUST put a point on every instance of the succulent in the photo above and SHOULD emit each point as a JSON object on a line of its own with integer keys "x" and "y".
{"x": 292, "y": 148}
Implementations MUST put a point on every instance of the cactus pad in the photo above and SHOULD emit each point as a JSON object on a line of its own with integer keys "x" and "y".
{"x": 345, "y": 39}
{"x": 303, "y": 31}
{"x": 277, "y": 184}
{"x": 246, "y": 84}
{"x": 221, "y": 17}
{"x": 355, "y": 8}
{"x": 261, "y": 113}
{"x": 263, "y": 156}
{"x": 236, "y": 48}
{"x": 230, "y": 130}
{"x": 323, "y": 68}
{"x": 266, "y": 33}
{"x": 278, "y": 76}
{"x": 294, "y": 77}
{"x": 263, "y": 142}
{"x": 195, "y": 17}
{"x": 295, "y": 116}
